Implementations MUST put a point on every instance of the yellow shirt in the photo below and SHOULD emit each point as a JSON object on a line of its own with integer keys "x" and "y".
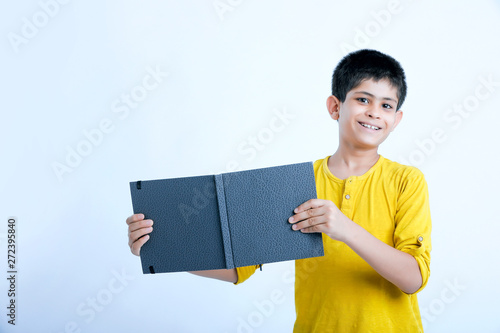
{"x": 340, "y": 292}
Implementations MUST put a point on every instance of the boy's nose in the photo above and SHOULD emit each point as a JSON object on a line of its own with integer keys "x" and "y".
{"x": 373, "y": 113}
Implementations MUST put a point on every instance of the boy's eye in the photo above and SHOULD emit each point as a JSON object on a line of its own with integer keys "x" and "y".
{"x": 387, "y": 106}
{"x": 362, "y": 100}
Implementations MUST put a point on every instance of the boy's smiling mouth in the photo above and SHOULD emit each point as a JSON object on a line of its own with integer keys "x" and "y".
{"x": 369, "y": 126}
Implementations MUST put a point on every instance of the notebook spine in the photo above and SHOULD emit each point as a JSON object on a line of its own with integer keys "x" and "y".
{"x": 226, "y": 235}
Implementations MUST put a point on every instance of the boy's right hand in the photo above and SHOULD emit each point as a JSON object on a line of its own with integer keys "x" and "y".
{"x": 137, "y": 228}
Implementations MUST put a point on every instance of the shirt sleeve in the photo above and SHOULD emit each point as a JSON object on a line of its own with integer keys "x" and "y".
{"x": 412, "y": 232}
{"x": 245, "y": 272}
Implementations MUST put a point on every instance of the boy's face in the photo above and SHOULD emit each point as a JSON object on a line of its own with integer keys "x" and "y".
{"x": 368, "y": 114}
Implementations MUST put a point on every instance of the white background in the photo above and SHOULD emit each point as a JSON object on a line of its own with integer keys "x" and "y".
{"x": 229, "y": 73}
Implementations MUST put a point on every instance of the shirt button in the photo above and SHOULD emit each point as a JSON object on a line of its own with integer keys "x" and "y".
{"x": 420, "y": 238}
{"x": 347, "y": 196}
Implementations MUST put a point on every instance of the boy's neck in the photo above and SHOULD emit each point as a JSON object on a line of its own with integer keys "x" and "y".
{"x": 346, "y": 163}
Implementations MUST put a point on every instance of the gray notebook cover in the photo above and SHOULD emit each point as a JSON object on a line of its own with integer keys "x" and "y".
{"x": 224, "y": 221}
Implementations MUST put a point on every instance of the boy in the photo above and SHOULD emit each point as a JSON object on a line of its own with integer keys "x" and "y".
{"x": 373, "y": 213}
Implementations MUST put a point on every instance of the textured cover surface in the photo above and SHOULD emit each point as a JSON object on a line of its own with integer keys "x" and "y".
{"x": 259, "y": 203}
{"x": 186, "y": 232}
{"x": 224, "y": 221}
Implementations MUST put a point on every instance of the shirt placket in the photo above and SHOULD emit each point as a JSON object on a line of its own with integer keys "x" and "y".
{"x": 347, "y": 200}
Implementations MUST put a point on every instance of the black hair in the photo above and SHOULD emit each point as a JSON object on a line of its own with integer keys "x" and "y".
{"x": 365, "y": 64}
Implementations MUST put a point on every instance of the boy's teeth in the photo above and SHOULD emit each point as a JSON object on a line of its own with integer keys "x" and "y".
{"x": 369, "y": 126}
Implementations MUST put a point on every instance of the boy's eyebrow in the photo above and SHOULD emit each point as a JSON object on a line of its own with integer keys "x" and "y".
{"x": 371, "y": 95}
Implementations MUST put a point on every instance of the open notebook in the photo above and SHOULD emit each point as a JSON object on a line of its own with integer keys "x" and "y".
{"x": 224, "y": 221}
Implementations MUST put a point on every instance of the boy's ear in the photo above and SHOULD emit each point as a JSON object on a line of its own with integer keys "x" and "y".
{"x": 333, "y": 106}
{"x": 399, "y": 116}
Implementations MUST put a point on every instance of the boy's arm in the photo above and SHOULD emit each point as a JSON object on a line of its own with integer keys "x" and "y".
{"x": 228, "y": 275}
{"x": 394, "y": 265}
{"x": 138, "y": 230}
{"x": 398, "y": 267}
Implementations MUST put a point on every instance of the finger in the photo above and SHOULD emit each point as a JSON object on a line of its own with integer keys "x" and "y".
{"x": 312, "y": 203}
{"x": 135, "y": 235}
{"x": 312, "y": 212}
{"x": 140, "y": 224}
{"x": 315, "y": 228}
{"x": 136, "y": 246}
{"x": 134, "y": 218}
{"x": 312, "y": 221}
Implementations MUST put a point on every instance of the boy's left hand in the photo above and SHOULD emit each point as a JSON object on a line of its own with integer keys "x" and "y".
{"x": 318, "y": 215}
